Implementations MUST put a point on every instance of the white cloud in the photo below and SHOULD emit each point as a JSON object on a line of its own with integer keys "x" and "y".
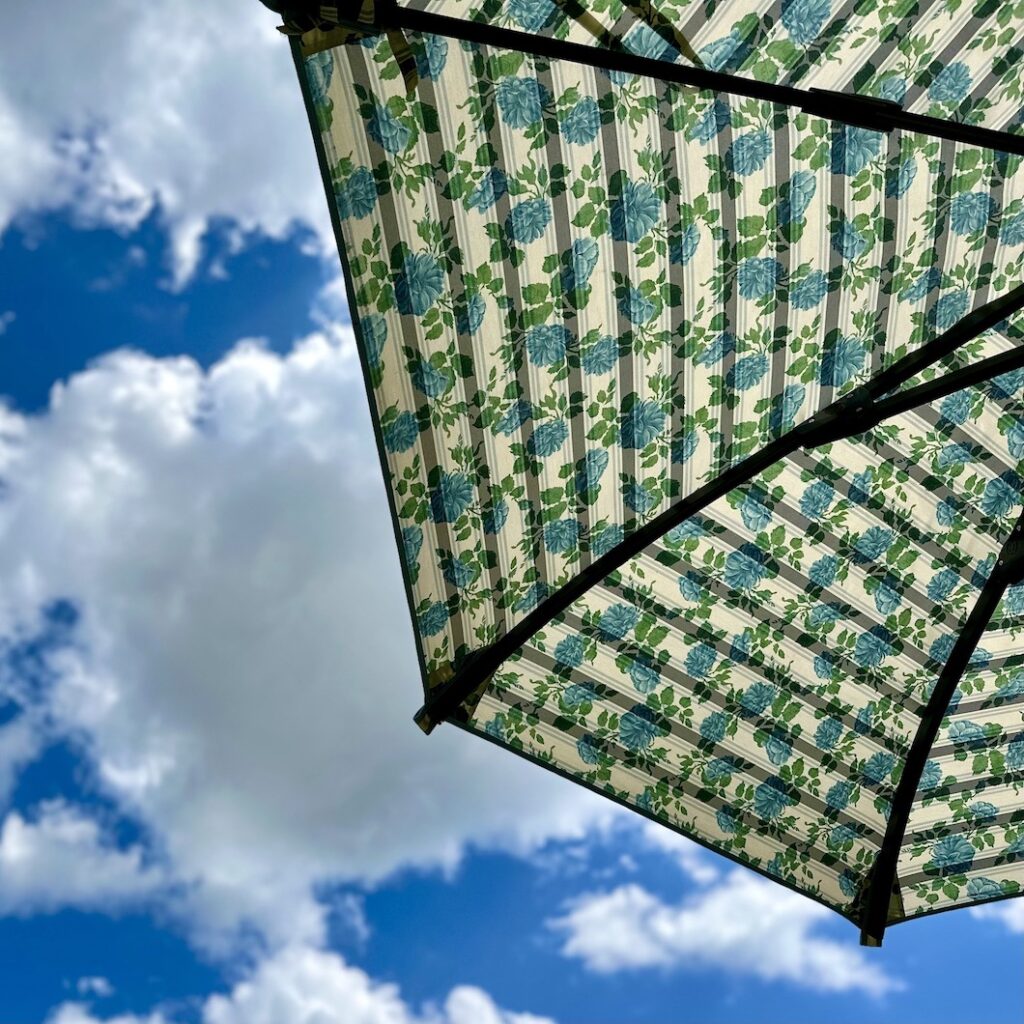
{"x": 306, "y": 986}
{"x": 6, "y": 319}
{"x": 62, "y": 859}
{"x": 744, "y": 925}
{"x": 690, "y": 857}
{"x": 1010, "y": 914}
{"x": 191, "y": 105}
{"x": 95, "y": 985}
{"x": 243, "y": 679}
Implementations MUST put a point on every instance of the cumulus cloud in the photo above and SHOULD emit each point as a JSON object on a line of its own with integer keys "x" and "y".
{"x": 189, "y": 107}
{"x": 300, "y": 985}
{"x": 1010, "y": 914}
{"x": 62, "y": 859}
{"x": 241, "y": 677}
{"x": 744, "y": 925}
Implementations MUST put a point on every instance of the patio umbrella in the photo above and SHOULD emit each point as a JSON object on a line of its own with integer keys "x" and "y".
{"x": 691, "y": 337}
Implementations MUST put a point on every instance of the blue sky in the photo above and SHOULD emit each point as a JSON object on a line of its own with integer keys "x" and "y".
{"x": 214, "y": 805}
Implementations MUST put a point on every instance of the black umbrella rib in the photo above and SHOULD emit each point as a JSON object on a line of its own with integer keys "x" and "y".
{"x": 854, "y": 413}
{"x": 848, "y": 108}
{"x": 883, "y": 885}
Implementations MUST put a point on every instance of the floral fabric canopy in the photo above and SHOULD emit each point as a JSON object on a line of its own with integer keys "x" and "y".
{"x": 633, "y": 314}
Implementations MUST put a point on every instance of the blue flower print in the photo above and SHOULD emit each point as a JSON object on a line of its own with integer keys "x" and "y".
{"x": 533, "y": 596}
{"x": 941, "y": 585}
{"x": 747, "y": 372}
{"x": 387, "y": 131}
{"x": 724, "y": 54}
{"x": 682, "y": 247}
{"x": 878, "y": 768}
{"x": 579, "y": 125}
{"x": 375, "y": 333}
{"x": 984, "y": 889}
{"x": 636, "y": 497}
{"x": 982, "y": 810}
{"x": 726, "y": 821}
{"x": 952, "y": 855}
{"x": 897, "y": 185}
{"x": 828, "y": 732}
{"x": 723, "y": 345}
{"x": 495, "y": 516}
{"x": 683, "y": 447}
{"x": 957, "y": 407}
{"x": 588, "y": 750}
{"x": 434, "y": 619}
{"x": 1001, "y": 494}
{"x": 547, "y": 438}
{"x": 450, "y": 498}
{"x": 771, "y": 798}
{"x": 948, "y": 310}
{"x": 823, "y": 572}
{"x": 532, "y": 15}
{"x": 700, "y": 659}
{"x": 804, "y": 19}
{"x": 711, "y": 122}
{"x": 712, "y": 729}
{"x": 1012, "y": 230}
{"x": 527, "y": 220}
{"x": 429, "y": 379}
{"x": 841, "y": 361}
{"x": 1015, "y": 753}
{"x": 972, "y": 212}
{"x": 582, "y": 260}
{"x": 634, "y": 211}
{"x": 636, "y": 308}
{"x": 853, "y": 149}
{"x": 546, "y": 345}
{"x": 561, "y": 536}
{"x": 319, "y": 70}
{"x": 756, "y": 698}
{"x": 817, "y": 499}
{"x": 719, "y": 769}
{"x": 887, "y": 597}
{"x": 1014, "y": 686}
{"x": 601, "y": 356}
{"x": 927, "y": 282}
{"x": 795, "y": 196}
{"x": 849, "y": 883}
{"x": 872, "y": 647}
{"x": 809, "y": 290}
{"x": 470, "y": 313}
{"x": 419, "y": 284}
{"x": 607, "y": 538}
{"x": 749, "y": 152}
{"x": 778, "y": 747}
{"x": 617, "y": 621}
{"x": 756, "y": 516}
{"x": 431, "y": 56}
{"x": 641, "y": 423}
{"x": 950, "y": 85}
{"x": 577, "y": 694}
{"x": 690, "y": 587}
{"x": 490, "y": 189}
{"x": 892, "y": 88}
{"x": 638, "y": 727}
{"x": 842, "y": 837}
{"x": 401, "y": 433}
{"x": 516, "y": 416}
{"x": 643, "y": 675}
{"x": 744, "y": 568}
{"x": 839, "y": 795}
{"x": 758, "y": 276}
{"x": 873, "y": 543}
{"x": 521, "y": 101}
{"x": 459, "y": 573}
{"x": 357, "y": 195}
{"x": 931, "y": 776}
{"x": 496, "y": 727}
{"x": 645, "y": 42}
{"x": 589, "y": 471}
{"x": 786, "y": 406}
{"x": 412, "y": 541}
{"x": 569, "y": 651}
{"x": 848, "y": 241}
{"x": 954, "y": 455}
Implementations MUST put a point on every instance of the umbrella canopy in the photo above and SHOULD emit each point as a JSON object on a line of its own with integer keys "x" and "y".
{"x": 691, "y": 336}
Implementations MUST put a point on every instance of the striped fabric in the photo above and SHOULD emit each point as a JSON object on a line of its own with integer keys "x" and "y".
{"x": 581, "y": 295}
